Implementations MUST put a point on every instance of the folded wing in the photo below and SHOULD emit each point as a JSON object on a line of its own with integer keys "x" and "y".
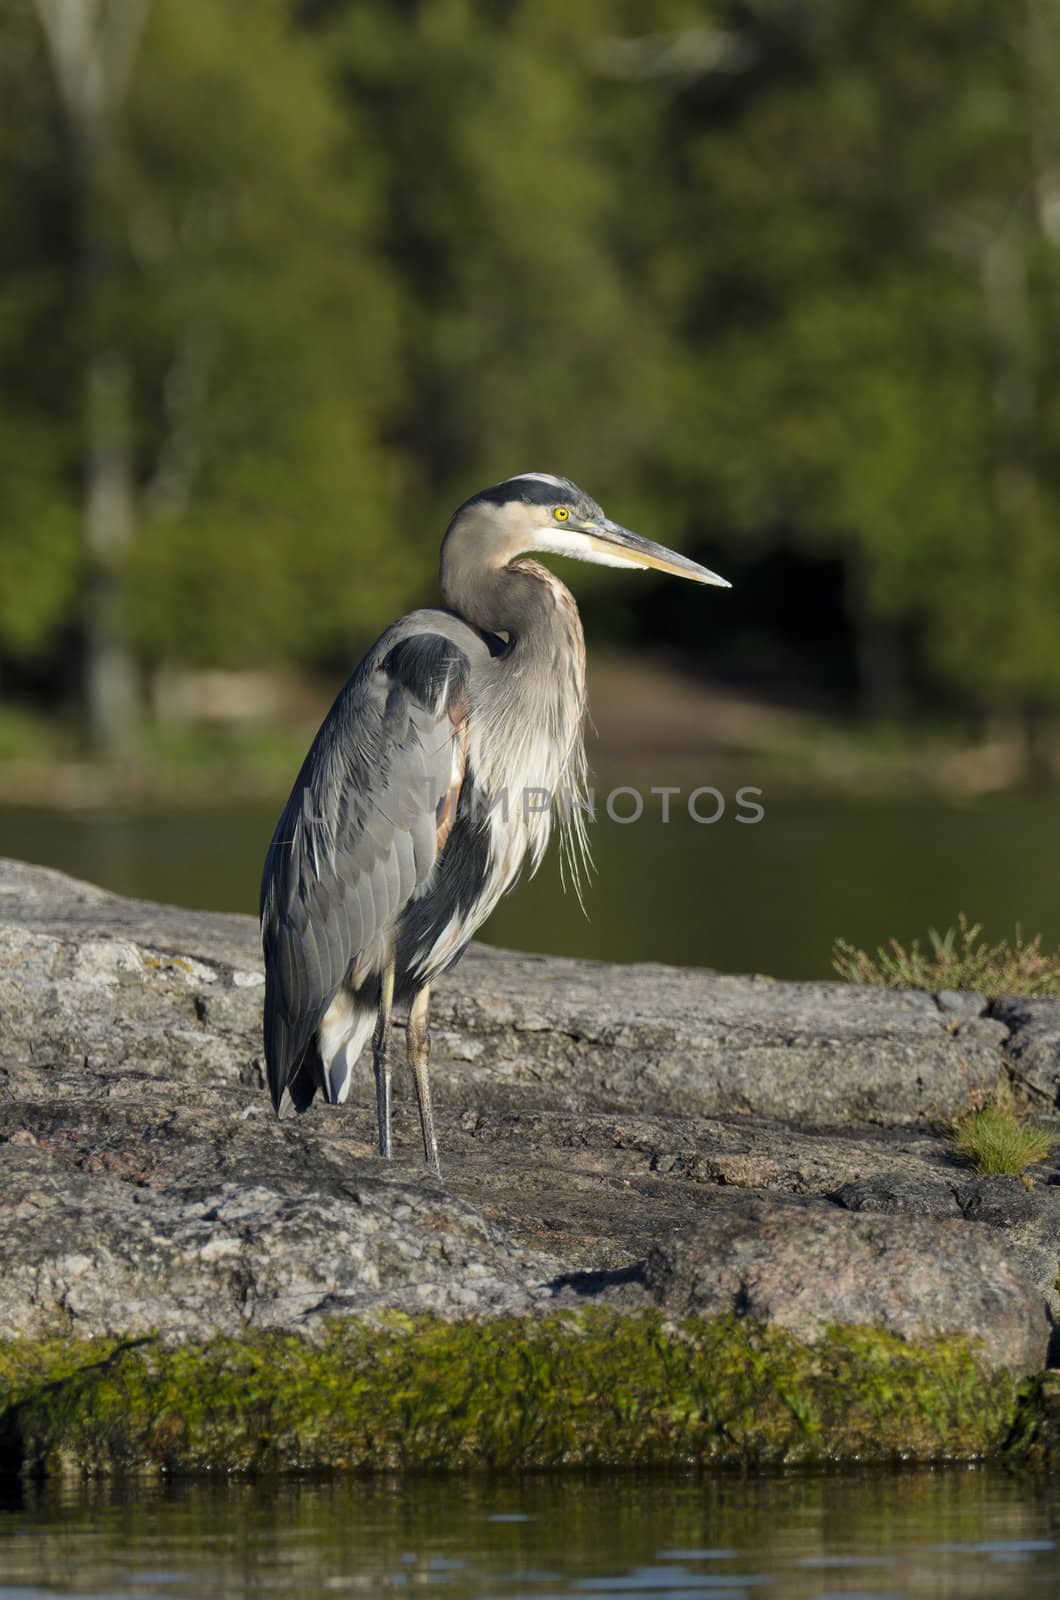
{"x": 364, "y": 827}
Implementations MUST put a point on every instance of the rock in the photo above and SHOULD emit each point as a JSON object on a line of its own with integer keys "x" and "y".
{"x": 608, "y": 1038}
{"x": 808, "y": 1268}
{"x": 592, "y": 1119}
{"x": 964, "y": 1004}
{"x": 1029, "y": 1220}
{"x": 135, "y": 989}
{"x": 901, "y": 1194}
{"x": 100, "y": 989}
{"x": 109, "y": 1259}
{"x": 1034, "y": 1045}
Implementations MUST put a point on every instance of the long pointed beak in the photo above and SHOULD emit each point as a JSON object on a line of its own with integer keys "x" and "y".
{"x": 611, "y": 539}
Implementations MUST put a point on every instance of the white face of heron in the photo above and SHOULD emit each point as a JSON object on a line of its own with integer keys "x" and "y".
{"x": 555, "y": 531}
{"x": 556, "y": 540}
{"x": 550, "y": 516}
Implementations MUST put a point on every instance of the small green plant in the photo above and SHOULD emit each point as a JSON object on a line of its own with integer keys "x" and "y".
{"x": 996, "y": 1139}
{"x": 958, "y": 959}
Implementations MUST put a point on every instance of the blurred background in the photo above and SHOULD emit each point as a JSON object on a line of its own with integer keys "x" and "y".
{"x": 281, "y": 284}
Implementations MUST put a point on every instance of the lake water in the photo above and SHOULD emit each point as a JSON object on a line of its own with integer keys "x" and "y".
{"x": 947, "y": 1533}
{"x": 765, "y": 897}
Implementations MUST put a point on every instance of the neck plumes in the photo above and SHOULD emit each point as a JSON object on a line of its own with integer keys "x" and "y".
{"x": 526, "y": 727}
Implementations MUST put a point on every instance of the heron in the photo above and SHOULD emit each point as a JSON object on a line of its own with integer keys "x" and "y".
{"x": 441, "y": 768}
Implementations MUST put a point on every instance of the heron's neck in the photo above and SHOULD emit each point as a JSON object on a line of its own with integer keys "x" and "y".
{"x": 528, "y": 705}
{"x": 539, "y": 686}
{"x": 523, "y": 600}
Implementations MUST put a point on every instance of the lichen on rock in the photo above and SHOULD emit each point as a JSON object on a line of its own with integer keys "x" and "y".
{"x": 587, "y": 1389}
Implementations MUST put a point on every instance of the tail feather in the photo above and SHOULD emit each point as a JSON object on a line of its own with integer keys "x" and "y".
{"x": 338, "y": 1070}
{"x": 301, "y": 1087}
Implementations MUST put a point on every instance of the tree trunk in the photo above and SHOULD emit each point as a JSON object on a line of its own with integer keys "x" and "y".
{"x": 92, "y": 46}
{"x": 111, "y": 684}
{"x": 882, "y": 685}
{"x": 879, "y": 649}
{"x": 1015, "y": 481}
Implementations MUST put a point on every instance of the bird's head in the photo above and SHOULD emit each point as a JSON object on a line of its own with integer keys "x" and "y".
{"x": 538, "y": 512}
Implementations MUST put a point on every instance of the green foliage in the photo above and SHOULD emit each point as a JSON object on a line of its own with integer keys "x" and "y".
{"x": 568, "y": 1390}
{"x": 39, "y": 573}
{"x": 40, "y": 554}
{"x": 958, "y": 959}
{"x": 243, "y": 289}
{"x": 766, "y": 277}
{"x": 996, "y": 1139}
{"x": 265, "y": 336}
{"x": 1035, "y": 1437}
{"x": 25, "y": 737}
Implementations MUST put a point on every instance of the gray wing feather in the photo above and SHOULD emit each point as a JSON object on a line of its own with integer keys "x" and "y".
{"x": 358, "y": 837}
{"x": 423, "y": 833}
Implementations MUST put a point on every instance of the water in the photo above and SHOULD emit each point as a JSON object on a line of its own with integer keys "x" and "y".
{"x": 769, "y": 897}
{"x": 949, "y": 1533}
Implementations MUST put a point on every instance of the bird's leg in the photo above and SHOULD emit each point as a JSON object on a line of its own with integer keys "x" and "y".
{"x": 380, "y": 1046}
{"x": 419, "y": 1048}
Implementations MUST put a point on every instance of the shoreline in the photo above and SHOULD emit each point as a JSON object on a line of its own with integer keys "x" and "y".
{"x": 246, "y": 740}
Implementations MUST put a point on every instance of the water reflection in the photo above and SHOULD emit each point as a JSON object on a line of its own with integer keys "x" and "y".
{"x": 941, "y": 1534}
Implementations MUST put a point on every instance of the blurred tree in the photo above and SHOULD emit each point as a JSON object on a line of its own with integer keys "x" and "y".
{"x": 865, "y": 346}
{"x": 40, "y": 551}
{"x": 214, "y": 277}
{"x": 265, "y": 336}
{"x": 523, "y": 337}
{"x": 92, "y": 50}
{"x": 784, "y": 278}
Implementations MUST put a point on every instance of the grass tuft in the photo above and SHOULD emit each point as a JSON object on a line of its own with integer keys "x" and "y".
{"x": 958, "y": 959}
{"x": 997, "y": 1140}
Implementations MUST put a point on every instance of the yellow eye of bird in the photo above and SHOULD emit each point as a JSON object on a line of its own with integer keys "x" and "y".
{"x": 561, "y": 513}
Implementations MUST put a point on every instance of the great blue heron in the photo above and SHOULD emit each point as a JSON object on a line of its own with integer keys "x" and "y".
{"x": 437, "y": 771}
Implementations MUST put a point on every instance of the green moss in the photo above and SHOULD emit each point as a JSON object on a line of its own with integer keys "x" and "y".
{"x": 584, "y": 1389}
{"x": 28, "y": 1366}
{"x": 1034, "y": 1439}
